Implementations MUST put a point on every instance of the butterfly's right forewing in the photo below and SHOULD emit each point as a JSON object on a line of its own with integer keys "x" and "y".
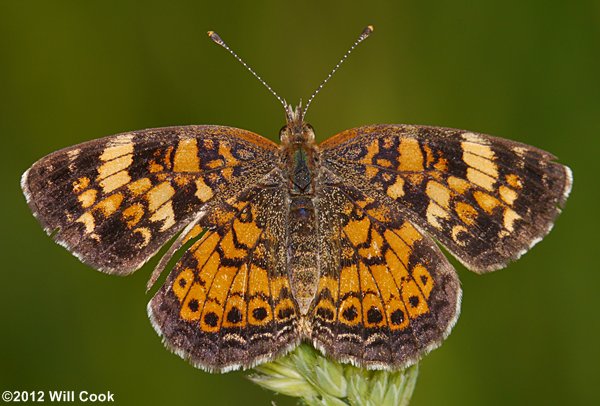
{"x": 488, "y": 200}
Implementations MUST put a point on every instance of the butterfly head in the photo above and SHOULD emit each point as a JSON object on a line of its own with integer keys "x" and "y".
{"x": 296, "y": 131}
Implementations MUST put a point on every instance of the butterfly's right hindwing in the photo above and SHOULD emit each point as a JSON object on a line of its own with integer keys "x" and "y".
{"x": 113, "y": 202}
{"x": 386, "y": 294}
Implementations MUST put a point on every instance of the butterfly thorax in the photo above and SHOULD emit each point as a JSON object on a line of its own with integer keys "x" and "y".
{"x": 299, "y": 151}
{"x": 300, "y": 168}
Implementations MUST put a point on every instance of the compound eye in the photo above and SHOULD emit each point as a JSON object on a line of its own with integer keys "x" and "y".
{"x": 309, "y": 132}
{"x": 282, "y": 131}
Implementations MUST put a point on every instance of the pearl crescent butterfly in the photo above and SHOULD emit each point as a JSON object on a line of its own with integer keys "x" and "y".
{"x": 331, "y": 243}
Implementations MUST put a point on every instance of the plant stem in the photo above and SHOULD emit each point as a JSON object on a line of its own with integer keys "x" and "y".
{"x": 317, "y": 380}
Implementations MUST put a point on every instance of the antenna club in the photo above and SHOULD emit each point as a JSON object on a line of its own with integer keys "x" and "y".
{"x": 215, "y": 38}
{"x": 366, "y": 32}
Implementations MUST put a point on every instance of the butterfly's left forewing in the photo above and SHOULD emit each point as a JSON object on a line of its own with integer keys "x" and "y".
{"x": 113, "y": 202}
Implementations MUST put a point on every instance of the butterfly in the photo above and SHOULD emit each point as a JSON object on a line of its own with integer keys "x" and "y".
{"x": 331, "y": 243}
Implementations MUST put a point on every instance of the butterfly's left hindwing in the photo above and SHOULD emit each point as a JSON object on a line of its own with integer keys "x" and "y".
{"x": 115, "y": 201}
{"x": 228, "y": 302}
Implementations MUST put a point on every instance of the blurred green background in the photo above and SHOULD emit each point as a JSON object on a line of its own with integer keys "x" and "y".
{"x": 71, "y": 71}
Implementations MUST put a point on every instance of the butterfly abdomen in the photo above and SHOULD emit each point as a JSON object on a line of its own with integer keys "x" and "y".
{"x": 302, "y": 248}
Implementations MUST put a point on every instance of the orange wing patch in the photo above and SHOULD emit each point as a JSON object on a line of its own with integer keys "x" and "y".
{"x": 220, "y": 289}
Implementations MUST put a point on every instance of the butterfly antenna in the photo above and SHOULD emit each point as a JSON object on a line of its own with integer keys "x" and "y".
{"x": 217, "y": 40}
{"x": 363, "y": 36}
